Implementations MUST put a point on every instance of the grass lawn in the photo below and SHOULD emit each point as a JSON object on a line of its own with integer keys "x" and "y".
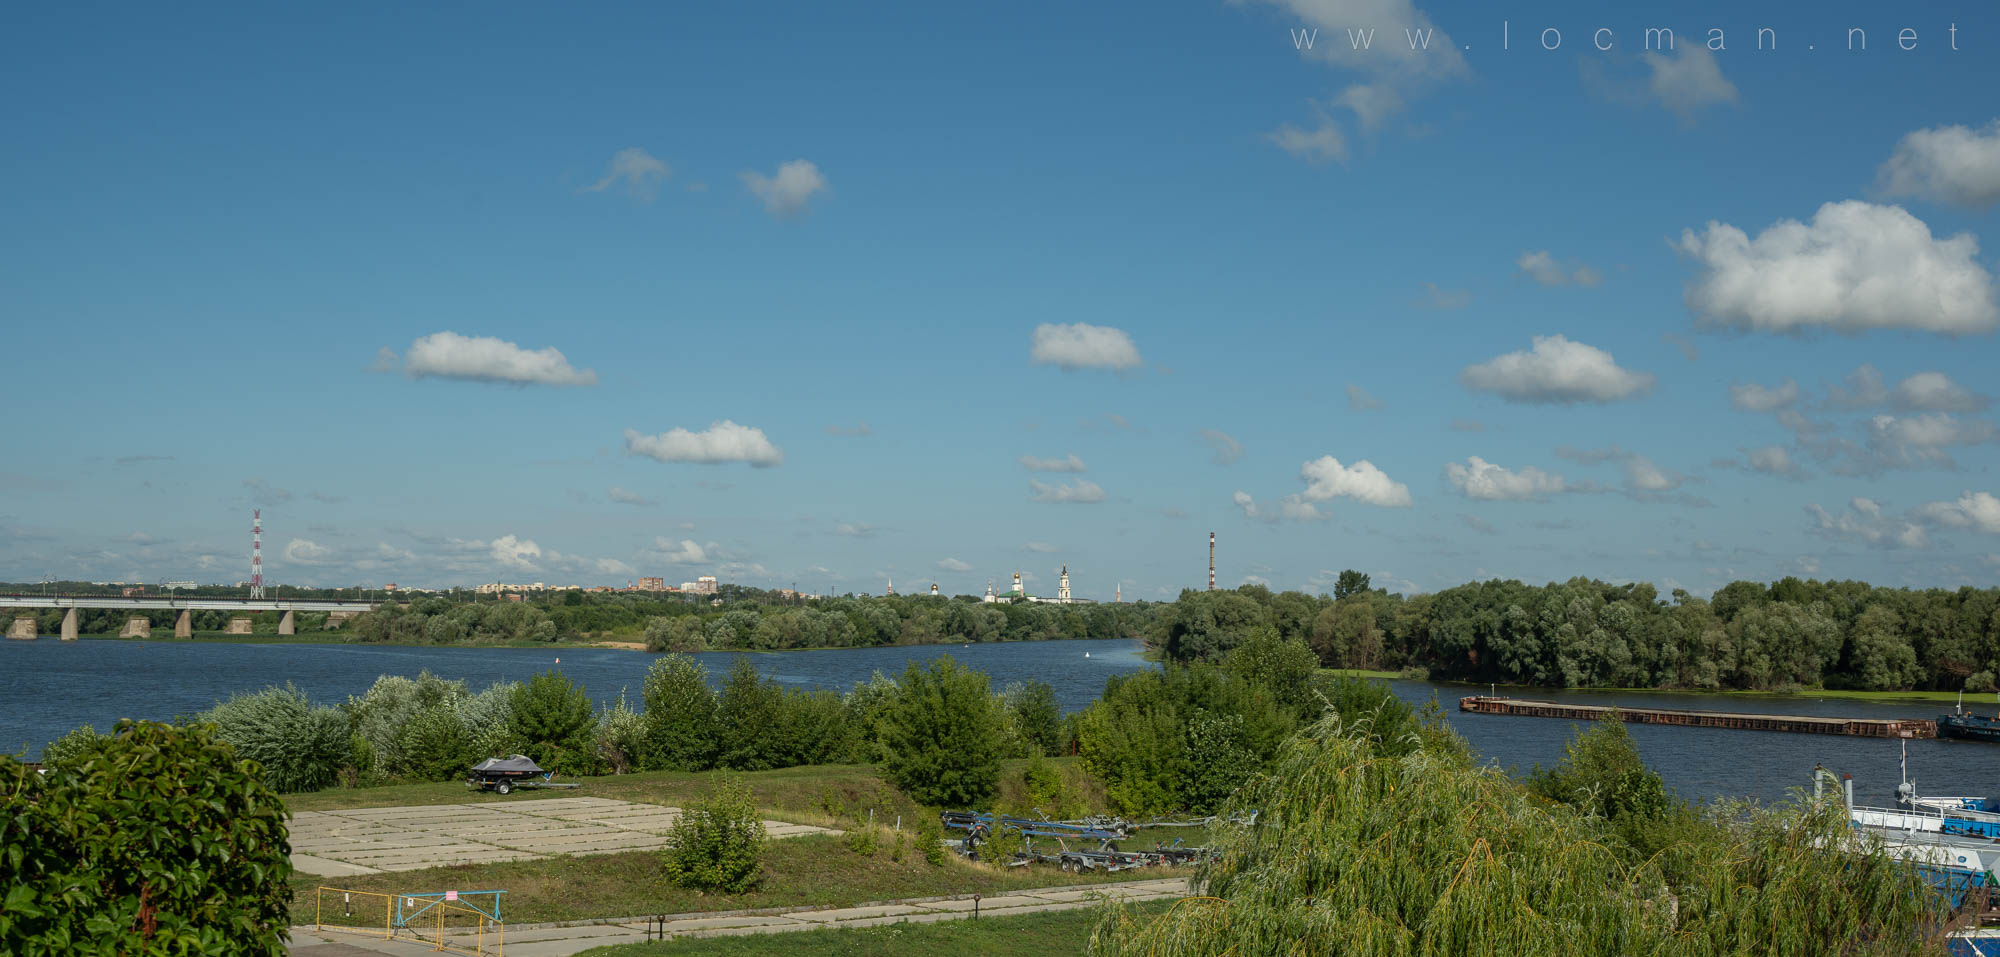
{"x": 1023, "y": 935}
{"x": 826, "y": 795}
{"x": 812, "y": 871}
{"x": 1362, "y": 673}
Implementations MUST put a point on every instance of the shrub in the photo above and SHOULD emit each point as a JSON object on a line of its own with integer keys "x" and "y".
{"x": 930, "y": 839}
{"x": 718, "y": 841}
{"x": 156, "y": 841}
{"x": 680, "y": 716}
{"x": 299, "y": 747}
{"x": 433, "y": 746}
{"x": 553, "y": 722}
{"x": 941, "y": 736}
{"x": 621, "y": 737}
{"x": 750, "y": 717}
{"x": 390, "y": 704}
{"x": 72, "y": 747}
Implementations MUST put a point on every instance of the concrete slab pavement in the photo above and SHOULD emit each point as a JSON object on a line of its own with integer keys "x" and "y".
{"x": 377, "y": 839}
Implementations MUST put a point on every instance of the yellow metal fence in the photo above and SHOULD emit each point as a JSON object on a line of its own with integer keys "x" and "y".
{"x": 445, "y": 925}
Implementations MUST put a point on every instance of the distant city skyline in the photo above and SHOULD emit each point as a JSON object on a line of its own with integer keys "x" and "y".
{"x": 698, "y": 292}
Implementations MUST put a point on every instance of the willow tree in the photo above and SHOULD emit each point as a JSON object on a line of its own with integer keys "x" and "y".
{"x": 1362, "y": 852}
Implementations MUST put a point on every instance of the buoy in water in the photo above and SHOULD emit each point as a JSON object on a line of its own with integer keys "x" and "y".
{"x": 558, "y": 661}
{"x": 1086, "y": 654}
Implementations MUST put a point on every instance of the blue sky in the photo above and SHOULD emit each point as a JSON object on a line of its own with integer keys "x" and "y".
{"x": 1219, "y": 270}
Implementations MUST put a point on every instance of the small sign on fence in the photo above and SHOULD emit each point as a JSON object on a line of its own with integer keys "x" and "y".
{"x": 451, "y": 895}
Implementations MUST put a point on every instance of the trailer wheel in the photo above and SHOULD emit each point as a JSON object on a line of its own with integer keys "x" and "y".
{"x": 504, "y": 787}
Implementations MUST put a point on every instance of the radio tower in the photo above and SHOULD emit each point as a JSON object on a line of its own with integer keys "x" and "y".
{"x": 257, "y": 553}
{"x": 1211, "y": 561}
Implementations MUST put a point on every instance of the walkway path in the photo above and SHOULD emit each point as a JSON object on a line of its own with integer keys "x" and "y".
{"x": 376, "y": 839}
{"x": 561, "y": 940}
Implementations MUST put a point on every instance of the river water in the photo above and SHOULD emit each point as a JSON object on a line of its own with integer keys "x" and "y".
{"x": 49, "y": 687}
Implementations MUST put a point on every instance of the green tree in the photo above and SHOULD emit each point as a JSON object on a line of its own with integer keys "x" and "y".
{"x": 940, "y": 736}
{"x": 1037, "y": 718}
{"x": 1349, "y": 583}
{"x": 680, "y": 716}
{"x": 554, "y": 723}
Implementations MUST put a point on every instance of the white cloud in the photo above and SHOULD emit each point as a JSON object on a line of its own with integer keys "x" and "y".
{"x": 1975, "y": 510}
{"x": 612, "y": 566}
{"x": 1858, "y": 266}
{"x": 1326, "y": 478}
{"x": 1925, "y": 435}
{"x": 1480, "y": 479}
{"x": 517, "y": 553}
{"x": 1371, "y": 103}
{"x": 1865, "y": 522}
{"x": 1946, "y": 164}
{"x": 1041, "y": 547}
{"x": 1774, "y": 460}
{"x": 725, "y": 441}
{"x": 625, "y": 497}
{"x": 785, "y": 195}
{"x": 953, "y": 565}
{"x": 448, "y": 355}
{"x": 1225, "y": 446}
{"x": 641, "y": 173}
{"x": 1068, "y": 464}
{"x": 1319, "y": 145}
{"x": 1542, "y": 267}
{"x": 301, "y": 551}
{"x": 1290, "y": 508}
{"x": 1644, "y": 475}
{"x": 854, "y": 530}
{"x": 684, "y": 552}
{"x": 1687, "y": 79}
{"x": 1083, "y": 346}
{"x": 1359, "y": 400}
{"x": 1477, "y": 524}
{"x": 1556, "y": 370}
{"x": 1935, "y": 391}
{"x": 1751, "y": 397}
{"x": 1083, "y": 492}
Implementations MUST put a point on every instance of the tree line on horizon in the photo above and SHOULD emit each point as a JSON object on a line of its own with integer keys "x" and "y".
{"x": 1582, "y": 633}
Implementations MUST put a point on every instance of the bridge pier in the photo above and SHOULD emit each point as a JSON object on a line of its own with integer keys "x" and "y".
{"x": 137, "y": 628}
{"x": 335, "y": 619}
{"x": 69, "y": 625}
{"x": 23, "y": 629}
{"x": 238, "y": 626}
{"x": 286, "y": 626}
{"x": 184, "y": 624}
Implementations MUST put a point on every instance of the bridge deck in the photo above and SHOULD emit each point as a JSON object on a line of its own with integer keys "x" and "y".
{"x": 165, "y": 603}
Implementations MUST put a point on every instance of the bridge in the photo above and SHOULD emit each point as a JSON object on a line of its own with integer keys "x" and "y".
{"x": 183, "y": 625}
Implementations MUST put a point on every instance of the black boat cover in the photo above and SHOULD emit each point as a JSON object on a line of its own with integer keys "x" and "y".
{"x": 519, "y": 763}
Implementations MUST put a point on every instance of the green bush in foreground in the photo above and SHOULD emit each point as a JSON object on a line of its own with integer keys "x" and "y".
{"x": 718, "y": 842}
{"x": 155, "y": 841}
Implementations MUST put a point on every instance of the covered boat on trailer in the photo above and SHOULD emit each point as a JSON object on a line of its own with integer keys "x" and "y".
{"x": 506, "y": 774}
